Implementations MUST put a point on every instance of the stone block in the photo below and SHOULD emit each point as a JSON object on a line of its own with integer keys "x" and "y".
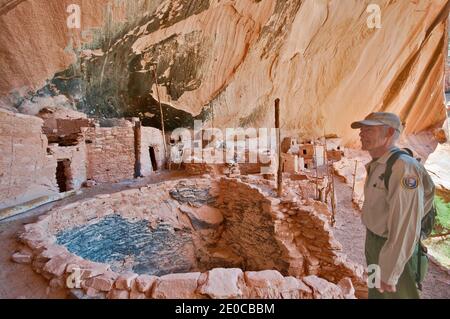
{"x": 263, "y": 284}
{"x": 144, "y": 283}
{"x": 223, "y": 283}
{"x": 101, "y": 283}
{"x": 264, "y": 278}
{"x": 137, "y": 295}
{"x": 322, "y": 288}
{"x": 293, "y": 288}
{"x": 124, "y": 281}
{"x": 57, "y": 265}
{"x": 22, "y": 257}
{"x": 118, "y": 294}
{"x": 347, "y": 288}
{"x": 203, "y": 217}
{"x": 177, "y": 286}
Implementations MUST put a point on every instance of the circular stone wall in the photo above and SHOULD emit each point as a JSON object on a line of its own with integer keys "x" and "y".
{"x": 191, "y": 238}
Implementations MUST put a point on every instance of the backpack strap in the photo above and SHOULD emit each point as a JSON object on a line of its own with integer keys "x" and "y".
{"x": 387, "y": 175}
{"x": 390, "y": 163}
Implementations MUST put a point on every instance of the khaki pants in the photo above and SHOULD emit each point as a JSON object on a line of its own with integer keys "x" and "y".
{"x": 406, "y": 286}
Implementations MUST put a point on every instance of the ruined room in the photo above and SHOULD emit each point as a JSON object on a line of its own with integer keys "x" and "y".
{"x": 198, "y": 149}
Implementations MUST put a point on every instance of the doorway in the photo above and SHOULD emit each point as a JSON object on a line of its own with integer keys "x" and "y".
{"x": 151, "y": 150}
{"x": 63, "y": 175}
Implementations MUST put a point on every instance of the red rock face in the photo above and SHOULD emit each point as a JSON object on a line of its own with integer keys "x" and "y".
{"x": 39, "y": 44}
{"x": 323, "y": 60}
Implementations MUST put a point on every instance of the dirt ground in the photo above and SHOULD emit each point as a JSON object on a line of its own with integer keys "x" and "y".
{"x": 19, "y": 281}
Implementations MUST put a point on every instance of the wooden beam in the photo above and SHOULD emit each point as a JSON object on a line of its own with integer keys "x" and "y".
{"x": 137, "y": 149}
{"x": 280, "y": 167}
{"x": 161, "y": 111}
{"x": 354, "y": 179}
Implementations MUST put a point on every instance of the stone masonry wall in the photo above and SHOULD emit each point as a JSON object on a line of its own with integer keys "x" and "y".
{"x": 97, "y": 280}
{"x": 26, "y": 171}
{"x": 110, "y": 153}
{"x": 151, "y": 137}
{"x": 305, "y": 225}
{"x": 249, "y": 228}
{"x": 290, "y": 234}
{"x": 78, "y": 159}
{"x": 71, "y": 126}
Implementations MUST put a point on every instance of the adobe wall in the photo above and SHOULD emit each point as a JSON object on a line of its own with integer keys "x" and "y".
{"x": 26, "y": 171}
{"x": 110, "y": 153}
{"x": 151, "y": 137}
{"x": 78, "y": 159}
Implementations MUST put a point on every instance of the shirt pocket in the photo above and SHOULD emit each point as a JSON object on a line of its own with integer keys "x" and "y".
{"x": 379, "y": 185}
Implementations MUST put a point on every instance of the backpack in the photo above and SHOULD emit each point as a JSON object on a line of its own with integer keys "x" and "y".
{"x": 428, "y": 220}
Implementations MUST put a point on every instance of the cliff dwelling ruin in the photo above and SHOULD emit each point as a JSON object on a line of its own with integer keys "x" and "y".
{"x": 178, "y": 149}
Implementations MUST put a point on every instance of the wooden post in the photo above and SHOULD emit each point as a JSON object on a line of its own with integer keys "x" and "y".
{"x": 160, "y": 110}
{"x": 212, "y": 116}
{"x": 280, "y": 168}
{"x": 137, "y": 149}
{"x": 325, "y": 160}
{"x": 331, "y": 176}
{"x": 317, "y": 172}
{"x": 333, "y": 200}
{"x": 354, "y": 179}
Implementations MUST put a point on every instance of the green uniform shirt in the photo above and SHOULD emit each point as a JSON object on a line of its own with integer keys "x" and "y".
{"x": 396, "y": 213}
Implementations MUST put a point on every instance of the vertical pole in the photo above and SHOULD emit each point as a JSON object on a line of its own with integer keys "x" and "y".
{"x": 317, "y": 171}
{"x": 160, "y": 110}
{"x": 280, "y": 169}
{"x": 212, "y": 116}
{"x": 354, "y": 179}
{"x": 137, "y": 149}
{"x": 325, "y": 159}
{"x": 333, "y": 200}
{"x": 325, "y": 152}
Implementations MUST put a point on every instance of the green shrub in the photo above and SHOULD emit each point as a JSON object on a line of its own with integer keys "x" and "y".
{"x": 443, "y": 216}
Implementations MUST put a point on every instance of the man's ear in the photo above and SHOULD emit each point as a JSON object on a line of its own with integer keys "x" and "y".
{"x": 390, "y": 132}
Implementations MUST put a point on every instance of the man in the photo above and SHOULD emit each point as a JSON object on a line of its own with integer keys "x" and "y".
{"x": 393, "y": 214}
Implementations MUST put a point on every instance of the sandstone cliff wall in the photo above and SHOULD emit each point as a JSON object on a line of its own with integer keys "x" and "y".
{"x": 226, "y": 61}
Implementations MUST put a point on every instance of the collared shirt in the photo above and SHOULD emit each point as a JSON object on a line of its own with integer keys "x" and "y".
{"x": 396, "y": 214}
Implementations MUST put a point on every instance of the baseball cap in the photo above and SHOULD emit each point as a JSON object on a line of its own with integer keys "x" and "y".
{"x": 380, "y": 118}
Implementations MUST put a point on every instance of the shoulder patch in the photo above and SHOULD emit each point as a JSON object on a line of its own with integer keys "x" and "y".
{"x": 410, "y": 182}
